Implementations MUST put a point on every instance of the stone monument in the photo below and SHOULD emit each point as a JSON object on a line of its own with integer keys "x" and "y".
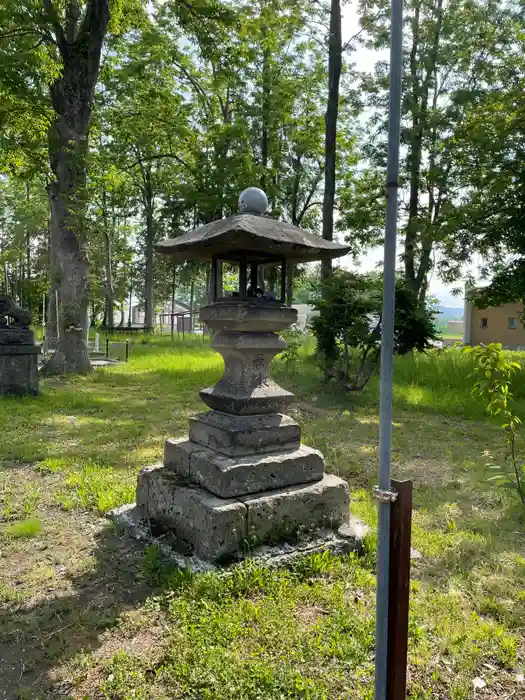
{"x": 18, "y": 352}
{"x": 242, "y": 477}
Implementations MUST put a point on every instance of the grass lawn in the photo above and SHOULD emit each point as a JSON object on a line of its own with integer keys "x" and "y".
{"x": 87, "y": 613}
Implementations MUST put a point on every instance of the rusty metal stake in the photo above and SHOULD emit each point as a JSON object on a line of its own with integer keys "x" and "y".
{"x": 399, "y": 590}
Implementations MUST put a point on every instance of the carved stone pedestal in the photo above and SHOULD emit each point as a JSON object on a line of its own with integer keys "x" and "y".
{"x": 242, "y": 476}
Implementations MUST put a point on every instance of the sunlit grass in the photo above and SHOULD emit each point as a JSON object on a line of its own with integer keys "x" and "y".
{"x": 75, "y": 452}
{"x": 24, "y": 528}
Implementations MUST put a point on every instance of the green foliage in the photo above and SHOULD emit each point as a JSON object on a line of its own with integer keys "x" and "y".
{"x": 493, "y": 374}
{"x": 350, "y": 321}
{"x": 125, "y": 677}
{"x": 294, "y": 340}
{"x": 414, "y": 322}
{"x": 154, "y": 565}
{"x": 455, "y": 56}
{"x": 24, "y": 528}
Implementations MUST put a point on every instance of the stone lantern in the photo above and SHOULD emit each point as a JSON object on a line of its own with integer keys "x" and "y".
{"x": 242, "y": 475}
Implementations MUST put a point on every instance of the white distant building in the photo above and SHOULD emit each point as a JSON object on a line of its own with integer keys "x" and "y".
{"x": 138, "y": 314}
{"x": 456, "y": 327}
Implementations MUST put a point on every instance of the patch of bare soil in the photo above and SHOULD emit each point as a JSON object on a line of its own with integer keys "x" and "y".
{"x": 62, "y": 592}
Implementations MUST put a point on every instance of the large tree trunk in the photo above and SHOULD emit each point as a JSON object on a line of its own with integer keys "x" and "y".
{"x": 69, "y": 269}
{"x": 335, "y": 50}
{"x": 80, "y": 46}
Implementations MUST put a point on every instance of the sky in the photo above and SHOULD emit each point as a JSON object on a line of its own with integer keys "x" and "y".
{"x": 365, "y": 60}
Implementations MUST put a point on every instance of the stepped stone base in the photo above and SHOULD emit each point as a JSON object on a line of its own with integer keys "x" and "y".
{"x": 238, "y": 476}
{"x": 242, "y": 435}
{"x": 216, "y": 528}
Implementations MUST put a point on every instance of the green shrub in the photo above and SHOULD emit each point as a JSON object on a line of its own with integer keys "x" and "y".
{"x": 493, "y": 373}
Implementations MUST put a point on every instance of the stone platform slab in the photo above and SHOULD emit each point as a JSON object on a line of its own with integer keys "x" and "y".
{"x": 217, "y": 528}
{"x": 229, "y": 477}
{"x": 348, "y": 538}
{"x": 243, "y": 435}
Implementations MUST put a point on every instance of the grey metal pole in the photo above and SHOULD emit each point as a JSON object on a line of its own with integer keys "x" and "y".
{"x": 383, "y": 493}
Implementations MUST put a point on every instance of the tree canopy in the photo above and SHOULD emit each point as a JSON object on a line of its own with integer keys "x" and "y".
{"x": 125, "y": 122}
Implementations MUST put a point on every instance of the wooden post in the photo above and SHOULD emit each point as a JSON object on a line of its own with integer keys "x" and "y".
{"x": 399, "y": 590}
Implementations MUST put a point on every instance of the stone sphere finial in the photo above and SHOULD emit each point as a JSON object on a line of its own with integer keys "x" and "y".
{"x": 253, "y": 201}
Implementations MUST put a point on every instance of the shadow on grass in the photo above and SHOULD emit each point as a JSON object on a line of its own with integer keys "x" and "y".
{"x": 36, "y": 638}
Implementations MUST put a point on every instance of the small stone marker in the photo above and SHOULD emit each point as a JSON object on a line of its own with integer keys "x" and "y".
{"x": 18, "y": 352}
{"x": 243, "y": 478}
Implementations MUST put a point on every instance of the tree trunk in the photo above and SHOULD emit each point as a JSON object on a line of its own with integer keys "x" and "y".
{"x": 414, "y": 156}
{"x": 28, "y": 260}
{"x": 110, "y": 300}
{"x": 150, "y": 237}
{"x": 265, "y": 110}
{"x": 173, "y": 286}
{"x": 416, "y": 270}
{"x": 110, "y": 292}
{"x": 69, "y": 267}
{"x": 192, "y": 297}
{"x": 72, "y": 101}
{"x": 130, "y": 313}
{"x": 335, "y": 50}
{"x": 51, "y": 310}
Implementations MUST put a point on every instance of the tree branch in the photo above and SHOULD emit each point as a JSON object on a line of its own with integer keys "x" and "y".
{"x": 53, "y": 18}
{"x": 72, "y": 19}
{"x": 93, "y": 28}
{"x": 379, "y": 15}
{"x": 160, "y": 156}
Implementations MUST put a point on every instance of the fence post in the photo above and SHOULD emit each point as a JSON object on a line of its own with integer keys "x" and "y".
{"x": 107, "y": 348}
{"x": 399, "y": 590}
{"x": 127, "y": 350}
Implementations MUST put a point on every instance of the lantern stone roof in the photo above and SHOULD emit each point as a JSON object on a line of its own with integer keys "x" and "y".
{"x": 255, "y": 237}
{"x": 251, "y": 236}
